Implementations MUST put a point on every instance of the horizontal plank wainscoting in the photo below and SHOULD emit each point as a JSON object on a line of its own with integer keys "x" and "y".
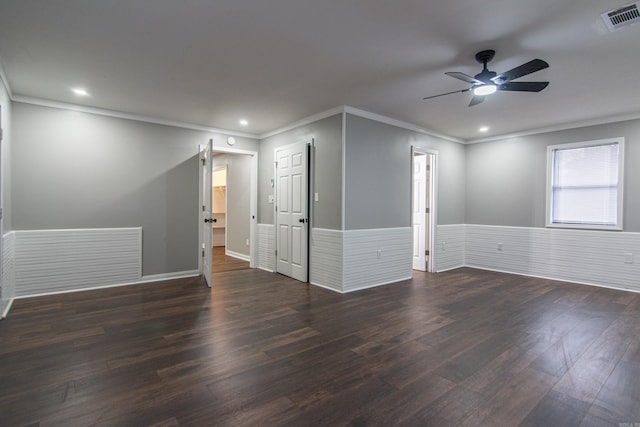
{"x": 8, "y": 290}
{"x": 266, "y": 247}
{"x": 326, "y": 258}
{"x": 50, "y": 261}
{"x": 376, "y": 257}
{"x": 604, "y": 258}
{"x": 449, "y": 247}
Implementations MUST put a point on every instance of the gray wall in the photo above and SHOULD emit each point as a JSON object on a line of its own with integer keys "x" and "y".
{"x": 79, "y": 170}
{"x": 238, "y": 214}
{"x": 6, "y": 291}
{"x": 506, "y": 180}
{"x": 378, "y": 175}
{"x": 327, "y": 135}
{"x": 5, "y": 189}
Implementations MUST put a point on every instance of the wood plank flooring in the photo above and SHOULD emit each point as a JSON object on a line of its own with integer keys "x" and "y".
{"x": 220, "y": 261}
{"x": 462, "y": 348}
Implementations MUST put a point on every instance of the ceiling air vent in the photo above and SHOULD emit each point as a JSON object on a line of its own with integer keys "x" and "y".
{"x": 622, "y": 17}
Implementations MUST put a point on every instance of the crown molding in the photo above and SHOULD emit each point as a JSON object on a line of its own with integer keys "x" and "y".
{"x": 399, "y": 123}
{"x": 128, "y": 116}
{"x": 303, "y": 122}
{"x": 360, "y": 113}
{"x": 564, "y": 126}
{"x": 5, "y": 81}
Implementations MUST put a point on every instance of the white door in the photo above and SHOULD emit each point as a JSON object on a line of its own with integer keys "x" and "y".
{"x": 291, "y": 210}
{"x": 419, "y": 212}
{"x": 206, "y": 209}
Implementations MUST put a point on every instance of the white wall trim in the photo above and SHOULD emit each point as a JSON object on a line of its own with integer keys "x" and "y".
{"x": 145, "y": 279}
{"x": 266, "y": 247}
{"x": 128, "y": 116}
{"x": 303, "y": 122}
{"x": 553, "y": 278}
{"x": 375, "y": 285}
{"x": 326, "y": 269}
{"x": 5, "y": 81}
{"x": 329, "y": 288}
{"x": 166, "y": 276}
{"x": 5, "y": 313}
{"x": 399, "y": 123}
{"x": 450, "y": 247}
{"x": 591, "y": 257}
{"x": 67, "y": 259}
{"x": 374, "y": 257}
{"x": 564, "y": 126}
{"x": 238, "y": 255}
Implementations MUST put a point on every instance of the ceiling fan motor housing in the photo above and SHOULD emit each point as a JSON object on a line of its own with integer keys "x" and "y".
{"x": 484, "y": 57}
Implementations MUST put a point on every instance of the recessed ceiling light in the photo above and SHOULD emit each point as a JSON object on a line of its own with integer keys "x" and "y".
{"x": 80, "y": 91}
{"x": 244, "y": 122}
{"x": 483, "y": 128}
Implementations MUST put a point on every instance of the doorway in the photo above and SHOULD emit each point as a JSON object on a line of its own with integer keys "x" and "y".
{"x": 231, "y": 210}
{"x": 291, "y": 210}
{"x": 209, "y": 255}
{"x": 423, "y": 208}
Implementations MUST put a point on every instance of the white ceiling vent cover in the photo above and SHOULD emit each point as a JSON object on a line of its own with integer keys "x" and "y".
{"x": 622, "y": 17}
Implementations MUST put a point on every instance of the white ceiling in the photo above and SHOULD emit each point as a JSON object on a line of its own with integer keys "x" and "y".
{"x": 275, "y": 62}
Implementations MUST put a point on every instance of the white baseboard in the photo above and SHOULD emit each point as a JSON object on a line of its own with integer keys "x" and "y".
{"x": 329, "y": 288}
{"x": 145, "y": 279}
{"x": 556, "y": 279}
{"x": 361, "y": 288}
{"x": 266, "y": 269}
{"x": 168, "y": 276}
{"x": 5, "y": 313}
{"x": 238, "y": 255}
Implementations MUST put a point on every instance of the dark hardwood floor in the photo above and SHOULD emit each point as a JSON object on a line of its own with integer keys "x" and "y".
{"x": 462, "y": 348}
{"x": 220, "y": 261}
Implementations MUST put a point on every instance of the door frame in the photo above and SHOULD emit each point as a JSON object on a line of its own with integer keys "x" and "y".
{"x": 253, "y": 204}
{"x": 433, "y": 201}
{"x": 310, "y": 191}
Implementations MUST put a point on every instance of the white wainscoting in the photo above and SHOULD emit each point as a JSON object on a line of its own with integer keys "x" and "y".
{"x": 449, "y": 247}
{"x": 582, "y": 256}
{"x": 325, "y": 268}
{"x": 51, "y": 261}
{"x": 363, "y": 268}
{"x": 266, "y": 247}
{"x": 8, "y": 291}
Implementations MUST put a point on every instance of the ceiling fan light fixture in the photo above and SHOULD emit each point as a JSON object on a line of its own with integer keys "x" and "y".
{"x": 484, "y": 90}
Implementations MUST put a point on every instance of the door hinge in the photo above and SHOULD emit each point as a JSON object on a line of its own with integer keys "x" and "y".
{"x": 203, "y": 252}
{"x": 1, "y": 134}
{"x": 204, "y": 162}
{"x": 276, "y": 252}
{"x": 426, "y": 252}
{"x": 203, "y": 208}
{"x": 427, "y": 210}
{"x": 275, "y": 163}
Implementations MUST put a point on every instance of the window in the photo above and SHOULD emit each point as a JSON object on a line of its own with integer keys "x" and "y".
{"x": 584, "y": 184}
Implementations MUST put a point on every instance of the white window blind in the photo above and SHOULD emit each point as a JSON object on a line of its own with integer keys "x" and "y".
{"x": 586, "y": 182}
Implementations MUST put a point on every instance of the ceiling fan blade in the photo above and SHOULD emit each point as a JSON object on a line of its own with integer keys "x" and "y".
{"x": 476, "y": 100}
{"x": 448, "y": 93}
{"x": 524, "y": 69}
{"x": 523, "y": 86}
{"x": 464, "y": 77}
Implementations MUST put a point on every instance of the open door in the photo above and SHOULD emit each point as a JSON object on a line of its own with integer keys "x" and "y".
{"x": 292, "y": 221}
{"x": 206, "y": 219}
{"x": 420, "y": 211}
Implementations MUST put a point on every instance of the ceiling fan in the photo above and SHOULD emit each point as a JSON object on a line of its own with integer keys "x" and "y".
{"x": 487, "y": 82}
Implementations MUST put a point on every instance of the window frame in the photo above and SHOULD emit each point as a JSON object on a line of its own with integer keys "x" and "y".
{"x": 551, "y": 150}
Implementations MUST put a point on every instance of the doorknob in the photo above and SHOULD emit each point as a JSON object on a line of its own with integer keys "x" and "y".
{"x": 210, "y": 220}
